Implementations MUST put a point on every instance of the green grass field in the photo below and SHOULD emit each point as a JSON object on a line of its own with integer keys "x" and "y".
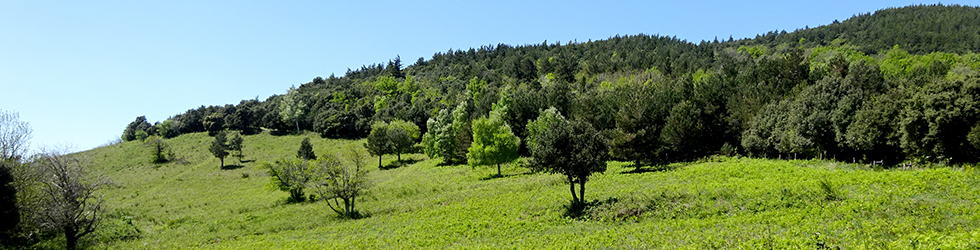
{"x": 716, "y": 203}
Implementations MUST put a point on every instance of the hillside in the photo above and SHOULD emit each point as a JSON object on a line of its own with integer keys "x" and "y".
{"x": 696, "y": 134}
{"x": 898, "y": 85}
{"x": 718, "y": 203}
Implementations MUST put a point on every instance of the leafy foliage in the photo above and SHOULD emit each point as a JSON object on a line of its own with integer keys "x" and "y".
{"x": 379, "y": 141}
{"x": 159, "y": 150}
{"x": 893, "y": 84}
{"x": 9, "y": 212}
{"x": 440, "y": 140}
{"x": 214, "y": 122}
{"x": 219, "y": 147}
{"x": 397, "y": 137}
{"x": 290, "y": 175}
{"x": 139, "y": 125}
{"x": 237, "y": 144}
{"x": 339, "y": 181}
{"x": 573, "y": 149}
{"x": 403, "y": 136}
{"x": 292, "y": 107}
{"x": 306, "y": 150}
{"x": 974, "y": 136}
{"x": 493, "y": 141}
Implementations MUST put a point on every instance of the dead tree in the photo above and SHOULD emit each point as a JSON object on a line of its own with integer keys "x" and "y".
{"x": 70, "y": 204}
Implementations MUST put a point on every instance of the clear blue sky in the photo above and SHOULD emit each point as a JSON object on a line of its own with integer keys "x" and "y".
{"x": 80, "y": 71}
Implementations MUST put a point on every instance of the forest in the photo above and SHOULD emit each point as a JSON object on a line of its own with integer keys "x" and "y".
{"x": 899, "y": 85}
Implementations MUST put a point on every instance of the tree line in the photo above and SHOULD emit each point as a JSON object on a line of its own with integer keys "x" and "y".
{"x": 835, "y": 91}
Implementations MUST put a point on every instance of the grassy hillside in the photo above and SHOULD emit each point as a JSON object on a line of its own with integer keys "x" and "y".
{"x": 719, "y": 203}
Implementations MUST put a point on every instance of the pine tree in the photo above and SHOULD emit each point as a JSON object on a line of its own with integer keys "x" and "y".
{"x": 306, "y": 150}
{"x": 219, "y": 147}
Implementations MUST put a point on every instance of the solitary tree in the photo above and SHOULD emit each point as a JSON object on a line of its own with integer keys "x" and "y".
{"x": 159, "y": 150}
{"x": 70, "y": 203}
{"x": 306, "y": 150}
{"x": 493, "y": 141}
{"x": 219, "y": 147}
{"x": 291, "y": 107}
{"x": 573, "y": 149}
{"x": 338, "y": 182}
{"x": 290, "y": 175}
{"x": 237, "y": 144}
{"x": 378, "y": 142}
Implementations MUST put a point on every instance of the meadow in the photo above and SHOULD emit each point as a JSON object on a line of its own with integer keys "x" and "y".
{"x": 720, "y": 202}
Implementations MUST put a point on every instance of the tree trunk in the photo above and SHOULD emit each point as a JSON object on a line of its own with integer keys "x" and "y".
{"x": 379, "y": 161}
{"x": 297, "y": 124}
{"x": 581, "y": 190}
{"x": 399, "y": 156}
{"x": 222, "y": 162}
{"x": 571, "y": 186}
{"x": 71, "y": 239}
{"x": 346, "y": 208}
{"x": 498, "y": 170}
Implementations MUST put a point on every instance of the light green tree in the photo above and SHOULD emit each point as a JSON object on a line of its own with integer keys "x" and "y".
{"x": 378, "y": 143}
{"x": 493, "y": 141}
{"x": 538, "y": 126}
{"x": 291, "y": 107}
{"x": 440, "y": 140}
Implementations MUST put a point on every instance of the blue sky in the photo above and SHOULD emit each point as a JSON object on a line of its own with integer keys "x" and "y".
{"x": 79, "y": 71}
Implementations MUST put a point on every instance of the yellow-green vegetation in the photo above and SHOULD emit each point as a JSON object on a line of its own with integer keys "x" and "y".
{"x": 715, "y": 203}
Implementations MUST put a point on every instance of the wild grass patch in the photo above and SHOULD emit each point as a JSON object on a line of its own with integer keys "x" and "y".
{"x": 724, "y": 202}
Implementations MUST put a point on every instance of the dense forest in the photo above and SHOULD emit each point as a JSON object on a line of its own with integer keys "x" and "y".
{"x": 901, "y": 84}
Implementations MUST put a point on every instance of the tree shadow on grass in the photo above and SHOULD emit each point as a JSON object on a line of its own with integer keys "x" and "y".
{"x": 231, "y": 167}
{"x": 398, "y": 164}
{"x": 407, "y": 161}
{"x": 495, "y": 176}
{"x": 576, "y": 210}
{"x": 276, "y": 132}
{"x": 392, "y": 165}
{"x": 443, "y": 163}
{"x": 356, "y": 215}
{"x": 647, "y": 169}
